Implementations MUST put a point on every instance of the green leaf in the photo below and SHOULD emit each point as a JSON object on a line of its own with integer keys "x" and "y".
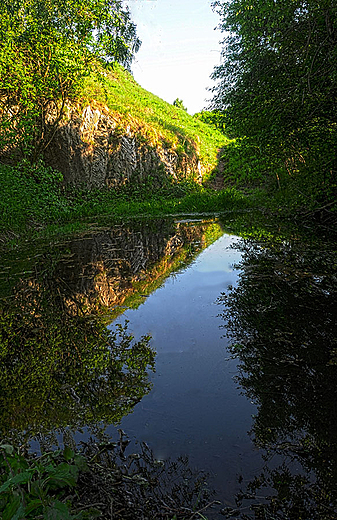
{"x": 58, "y": 511}
{"x": 14, "y": 509}
{"x": 20, "y": 478}
{"x": 34, "y": 504}
{"x": 20, "y": 513}
{"x": 9, "y": 449}
{"x": 80, "y": 462}
{"x": 63, "y": 475}
{"x": 68, "y": 453}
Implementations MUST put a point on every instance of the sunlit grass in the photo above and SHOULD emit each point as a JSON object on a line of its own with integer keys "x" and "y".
{"x": 155, "y": 121}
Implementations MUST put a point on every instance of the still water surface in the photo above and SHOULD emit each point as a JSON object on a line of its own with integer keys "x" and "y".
{"x": 244, "y": 331}
{"x": 195, "y": 406}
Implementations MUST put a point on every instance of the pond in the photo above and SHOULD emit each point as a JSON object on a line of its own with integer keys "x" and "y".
{"x": 213, "y": 339}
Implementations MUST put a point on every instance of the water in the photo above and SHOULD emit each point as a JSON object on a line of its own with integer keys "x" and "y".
{"x": 244, "y": 330}
{"x": 195, "y": 406}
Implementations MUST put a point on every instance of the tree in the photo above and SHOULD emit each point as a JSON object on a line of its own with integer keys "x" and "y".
{"x": 179, "y": 104}
{"x": 278, "y": 86}
{"x": 46, "y": 48}
{"x": 214, "y": 118}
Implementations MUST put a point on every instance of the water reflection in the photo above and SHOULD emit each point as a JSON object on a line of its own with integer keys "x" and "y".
{"x": 281, "y": 318}
{"x": 60, "y": 367}
{"x": 194, "y": 407}
{"x": 64, "y": 364}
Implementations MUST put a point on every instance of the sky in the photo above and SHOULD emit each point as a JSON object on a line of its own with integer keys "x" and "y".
{"x": 180, "y": 48}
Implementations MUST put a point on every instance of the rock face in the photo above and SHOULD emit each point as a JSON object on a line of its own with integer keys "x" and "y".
{"x": 92, "y": 149}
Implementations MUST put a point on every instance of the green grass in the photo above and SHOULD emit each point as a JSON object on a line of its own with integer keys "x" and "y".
{"x": 33, "y": 199}
{"x": 29, "y": 195}
{"x": 153, "y": 120}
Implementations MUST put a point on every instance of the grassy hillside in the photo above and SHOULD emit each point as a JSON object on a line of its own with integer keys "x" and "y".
{"x": 151, "y": 118}
{"x": 33, "y": 196}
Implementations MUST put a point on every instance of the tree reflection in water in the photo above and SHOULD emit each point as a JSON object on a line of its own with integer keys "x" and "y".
{"x": 61, "y": 369}
{"x": 282, "y": 321}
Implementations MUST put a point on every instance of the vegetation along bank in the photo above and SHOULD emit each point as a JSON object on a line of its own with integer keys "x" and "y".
{"x": 79, "y": 137}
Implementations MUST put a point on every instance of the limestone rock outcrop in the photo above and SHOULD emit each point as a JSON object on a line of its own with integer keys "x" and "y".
{"x": 93, "y": 149}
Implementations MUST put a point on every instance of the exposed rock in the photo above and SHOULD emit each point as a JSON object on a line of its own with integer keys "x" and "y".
{"x": 93, "y": 149}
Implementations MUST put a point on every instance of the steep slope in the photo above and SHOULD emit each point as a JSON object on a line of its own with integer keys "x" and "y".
{"x": 117, "y": 133}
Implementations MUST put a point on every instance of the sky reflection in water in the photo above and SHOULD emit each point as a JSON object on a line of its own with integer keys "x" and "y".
{"x": 56, "y": 301}
{"x": 195, "y": 407}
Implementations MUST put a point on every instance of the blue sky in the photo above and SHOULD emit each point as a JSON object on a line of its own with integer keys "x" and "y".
{"x": 179, "y": 49}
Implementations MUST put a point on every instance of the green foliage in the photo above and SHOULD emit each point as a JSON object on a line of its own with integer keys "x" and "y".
{"x": 215, "y": 118}
{"x": 46, "y": 49}
{"x": 154, "y": 121}
{"x": 33, "y": 198}
{"x": 99, "y": 481}
{"x": 30, "y": 194}
{"x": 277, "y": 87}
{"x": 38, "y": 487}
{"x": 179, "y": 104}
{"x": 209, "y": 201}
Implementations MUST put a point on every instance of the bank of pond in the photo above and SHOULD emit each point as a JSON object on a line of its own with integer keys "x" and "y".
{"x": 170, "y": 368}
